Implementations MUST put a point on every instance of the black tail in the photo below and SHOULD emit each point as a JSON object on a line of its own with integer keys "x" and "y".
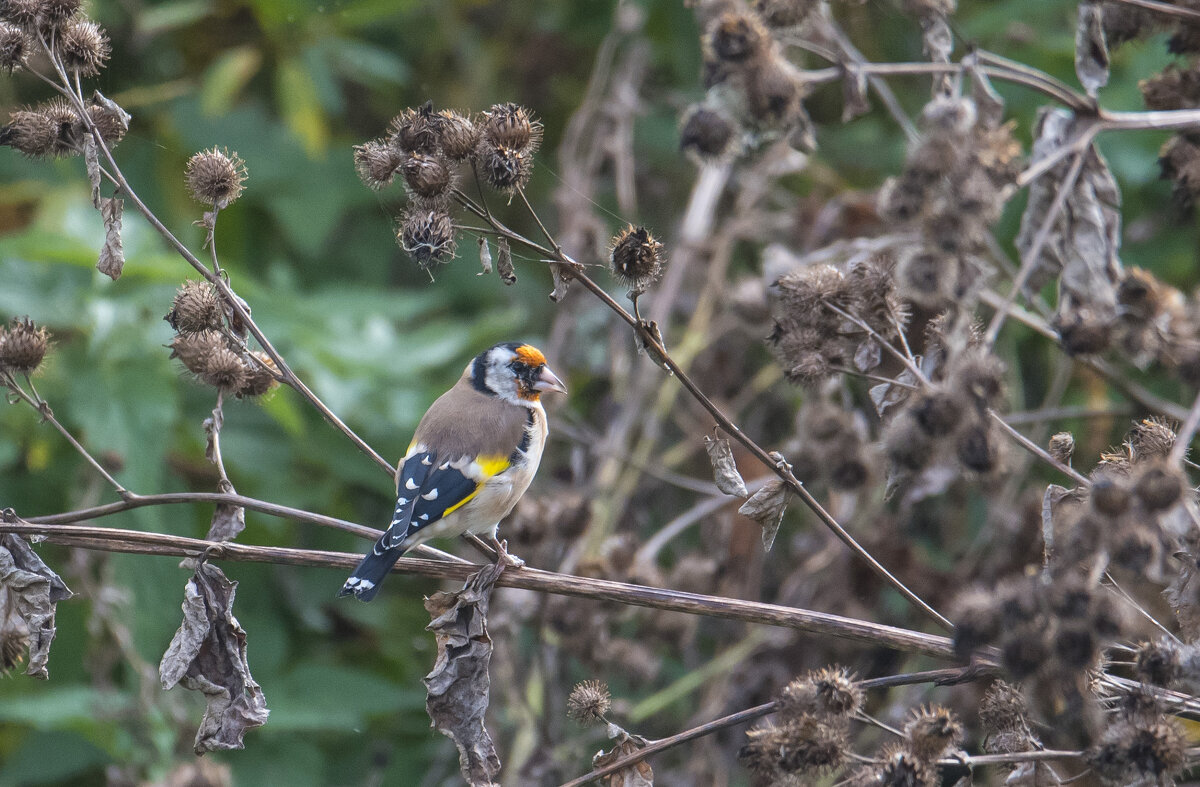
{"x": 364, "y": 582}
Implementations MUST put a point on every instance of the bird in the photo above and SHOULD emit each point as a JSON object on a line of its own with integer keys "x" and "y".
{"x": 471, "y": 459}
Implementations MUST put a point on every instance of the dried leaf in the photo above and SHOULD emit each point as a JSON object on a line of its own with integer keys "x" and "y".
{"x": 485, "y": 256}
{"x": 208, "y": 654}
{"x": 854, "y": 94}
{"x": 504, "y": 262}
{"x": 112, "y": 254}
{"x": 766, "y": 508}
{"x": 458, "y": 685}
{"x": 868, "y": 355}
{"x": 937, "y": 38}
{"x": 640, "y": 774}
{"x": 644, "y": 347}
{"x": 114, "y": 113}
{"x": 989, "y": 105}
{"x": 91, "y": 158}
{"x": 562, "y": 280}
{"x": 725, "y": 471}
{"x": 885, "y": 396}
{"x": 1091, "y": 51}
{"x": 29, "y": 591}
{"x": 228, "y": 520}
{"x": 1050, "y": 500}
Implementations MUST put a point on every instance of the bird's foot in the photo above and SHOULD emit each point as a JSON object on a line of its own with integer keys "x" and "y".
{"x": 502, "y": 555}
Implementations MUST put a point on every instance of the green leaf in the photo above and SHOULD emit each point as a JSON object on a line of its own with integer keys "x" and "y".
{"x": 227, "y": 77}
{"x": 300, "y": 106}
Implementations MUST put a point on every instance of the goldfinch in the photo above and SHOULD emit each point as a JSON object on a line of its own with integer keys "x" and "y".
{"x": 472, "y": 457}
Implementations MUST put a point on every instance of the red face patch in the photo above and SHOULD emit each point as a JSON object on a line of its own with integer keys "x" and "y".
{"x": 530, "y": 356}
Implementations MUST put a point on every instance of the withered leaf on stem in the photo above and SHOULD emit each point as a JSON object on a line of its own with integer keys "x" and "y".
{"x": 458, "y": 686}
{"x": 228, "y": 520}
{"x": 485, "y": 256}
{"x": 208, "y": 654}
{"x": 112, "y": 253}
{"x": 1091, "y": 50}
{"x": 504, "y": 262}
{"x": 854, "y": 94}
{"x": 640, "y": 774}
{"x": 766, "y": 508}
{"x": 649, "y": 349}
{"x": 562, "y": 280}
{"x": 91, "y": 158}
{"x": 29, "y": 591}
{"x": 725, "y": 471}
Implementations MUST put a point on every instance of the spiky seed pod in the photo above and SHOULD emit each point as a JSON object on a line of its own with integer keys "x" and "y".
{"x": 636, "y": 258}
{"x": 737, "y": 37}
{"x": 193, "y": 349}
{"x": 1076, "y": 647}
{"x": 512, "y": 126}
{"x": 416, "y": 130}
{"x": 1109, "y": 495}
{"x": 804, "y": 293}
{"x": 1174, "y": 88}
{"x": 772, "y": 94}
{"x": 588, "y": 702}
{"x": 1158, "y": 486}
{"x": 22, "y": 13}
{"x": 1024, "y": 651}
{"x": 706, "y": 133}
{"x": 54, "y": 13}
{"x": 848, "y": 470}
{"x": 504, "y": 169}
{"x": 900, "y": 768}
{"x": 376, "y": 163}
{"x": 112, "y": 123}
{"x": 84, "y": 47}
{"x": 1083, "y": 331}
{"x": 1062, "y": 446}
{"x": 14, "y": 47}
{"x": 938, "y": 413}
{"x": 460, "y": 135}
{"x": 806, "y": 355}
{"x": 980, "y": 377}
{"x": 1125, "y": 23}
{"x": 427, "y": 235}
{"x": 977, "y": 447}
{"x": 830, "y": 692}
{"x": 1151, "y": 438}
{"x": 783, "y": 13}
{"x": 1136, "y": 549}
{"x": 23, "y": 346}
{"x": 50, "y": 129}
{"x": 1158, "y": 662}
{"x": 907, "y": 444}
{"x": 196, "y": 308}
{"x": 1003, "y": 707}
{"x": 427, "y": 176}
{"x": 224, "y": 369}
{"x": 932, "y": 730}
{"x": 216, "y": 177}
{"x": 977, "y": 621}
{"x": 1139, "y": 751}
{"x": 259, "y": 377}
{"x": 924, "y": 277}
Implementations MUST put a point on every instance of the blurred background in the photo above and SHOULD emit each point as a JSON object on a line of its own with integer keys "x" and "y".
{"x": 292, "y": 87}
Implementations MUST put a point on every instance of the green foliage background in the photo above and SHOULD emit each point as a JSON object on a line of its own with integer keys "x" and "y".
{"x": 291, "y": 86}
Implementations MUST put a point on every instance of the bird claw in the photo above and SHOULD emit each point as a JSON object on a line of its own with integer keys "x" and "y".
{"x": 502, "y": 555}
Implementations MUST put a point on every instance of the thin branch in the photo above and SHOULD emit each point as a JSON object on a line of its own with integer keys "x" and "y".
{"x": 1040, "y": 452}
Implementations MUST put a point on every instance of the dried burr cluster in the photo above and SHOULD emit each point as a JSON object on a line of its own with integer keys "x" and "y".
{"x": 426, "y": 148}
{"x": 23, "y": 346}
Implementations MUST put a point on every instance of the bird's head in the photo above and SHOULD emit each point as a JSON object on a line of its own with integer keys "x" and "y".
{"x": 514, "y": 371}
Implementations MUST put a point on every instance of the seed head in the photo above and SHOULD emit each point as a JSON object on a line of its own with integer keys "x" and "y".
{"x": 46, "y": 130}
{"x": 84, "y": 47}
{"x": 706, "y": 133}
{"x": 736, "y": 37}
{"x": 504, "y": 169}
{"x": 427, "y": 234}
{"x": 427, "y": 176}
{"x": 224, "y": 369}
{"x": 1109, "y": 495}
{"x": 636, "y": 258}
{"x": 783, "y": 13}
{"x": 196, "y": 308}
{"x": 1023, "y": 651}
{"x": 1003, "y": 708}
{"x": 23, "y": 346}
{"x": 980, "y": 377}
{"x": 194, "y": 349}
{"x": 376, "y": 163}
{"x": 802, "y": 746}
{"x": 978, "y": 449}
{"x": 53, "y": 13}
{"x": 938, "y": 413}
{"x": 111, "y": 121}
{"x": 22, "y": 13}
{"x": 512, "y": 126}
{"x": 1174, "y": 88}
{"x": 1152, "y": 438}
{"x": 1158, "y": 662}
{"x": 827, "y": 693}
{"x": 1083, "y": 331}
{"x": 907, "y": 444}
{"x": 460, "y": 135}
{"x": 932, "y": 730}
{"x": 259, "y": 377}
{"x": 216, "y": 177}
{"x": 900, "y": 768}
{"x": 772, "y": 94}
{"x": 1062, "y": 446}
{"x": 977, "y": 621}
{"x": 848, "y": 470}
{"x": 1158, "y": 486}
{"x": 14, "y": 47}
{"x": 588, "y": 702}
{"x": 1076, "y": 647}
{"x": 1131, "y": 752}
{"x": 416, "y": 130}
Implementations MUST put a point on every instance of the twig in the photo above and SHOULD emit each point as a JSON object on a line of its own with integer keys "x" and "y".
{"x": 1183, "y": 439}
{"x": 1040, "y": 452}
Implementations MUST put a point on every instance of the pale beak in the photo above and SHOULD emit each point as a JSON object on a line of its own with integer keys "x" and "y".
{"x": 548, "y": 381}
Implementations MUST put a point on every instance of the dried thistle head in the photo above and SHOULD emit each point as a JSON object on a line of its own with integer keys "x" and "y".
{"x": 977, "y": 621}
{"x": 706, "y": 133}
{"x": 831, "y": 692}
{"x": 588, "y": 702}
{"x": 1135, "y": 752}
{"x": 111, "y": 121}
{"x": 224, "y": 369}
{"x": 427, "y": 176}
{"x": 938, "y": 412}
{"x": 899, "y": 767}
{"x": 1151, "y": 438}
{"x": 924, "y": 277}
{"x": 1159, "y": 662}
{"x": 416, "y": 130}
{"x": 808, "y": 356}
{"x": 736, "y": 37}
{"x": 48, "y": 129}
{"x": 932, "y": 730}
{"x": 84, "y": 47}
{"x": 505, "y": 169}
{"x": 1179, "y": 161}
{"x": 800, "y": 747}
{"x": 14, "y": 47}
{"x": 196, "y": 307}
{"x": 1174, "y": 88}
{"x": 977, "y": 447}
{"x": 513, "y": 127}
{"x": 54, "y": 13}
{"x": 22, "y": 13}
{"x": 194, "y": 349}
{"x": 216, "y": 177}
{"x": 907, "y": 444}
{"x": 636, "y": 258}
{"x": 260, "y": 377}
{"x": 376, "y": 163}
{"x": 23, "y": 346}
{"x": 1109, "y": 495}
{"x": 459, "y": 135}
{"x": 1062, "y": 446}
{"x": 772, "y": 93}
{"x": 1158, "y": 485}
{"x": 1003, "y": 707}
{"x": 427, "y": 234}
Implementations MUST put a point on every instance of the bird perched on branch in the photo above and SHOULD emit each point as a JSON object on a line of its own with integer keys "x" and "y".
{"x": 472, "y": 457}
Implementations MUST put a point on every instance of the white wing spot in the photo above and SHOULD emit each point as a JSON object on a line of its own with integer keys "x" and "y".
{"x": 401, "y": 501}
{"x": 425, "y": 461}
{"x": 408, "y": 484}
{"x": 432, "y": 495}
{"x": 424, "y": 517}
{"x": 445, "y": 466}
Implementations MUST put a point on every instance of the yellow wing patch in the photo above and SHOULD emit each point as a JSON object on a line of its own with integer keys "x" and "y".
{"x": 486, "y": 466}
